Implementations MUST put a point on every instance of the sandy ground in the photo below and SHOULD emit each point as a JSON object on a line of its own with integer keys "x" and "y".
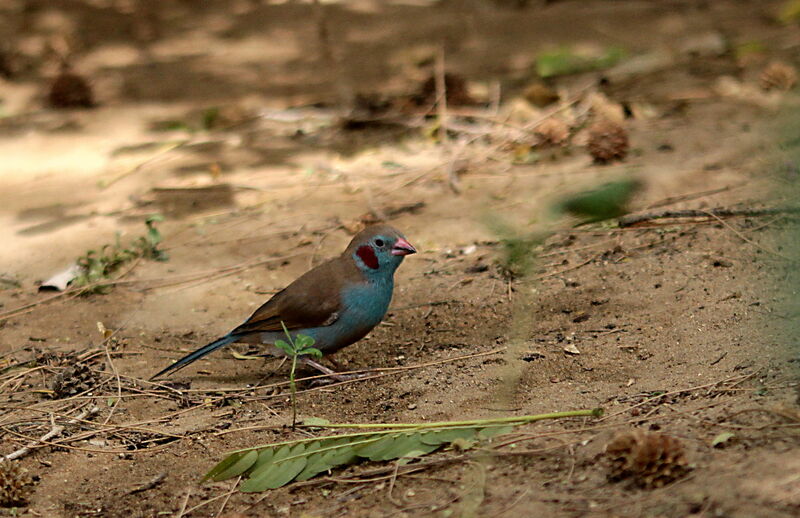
{"x": 678, "y": 328}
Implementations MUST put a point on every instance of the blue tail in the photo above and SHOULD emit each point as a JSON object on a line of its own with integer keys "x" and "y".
{"x": 189, "y": 358}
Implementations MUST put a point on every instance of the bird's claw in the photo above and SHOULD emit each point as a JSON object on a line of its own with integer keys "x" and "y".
{"x": 334, "y": 377}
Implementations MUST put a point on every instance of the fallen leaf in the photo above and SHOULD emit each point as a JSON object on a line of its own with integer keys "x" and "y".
{"x": 721, "y": 439}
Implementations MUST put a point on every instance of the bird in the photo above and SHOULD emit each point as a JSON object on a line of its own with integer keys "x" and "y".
{"x": 336, "y": 303}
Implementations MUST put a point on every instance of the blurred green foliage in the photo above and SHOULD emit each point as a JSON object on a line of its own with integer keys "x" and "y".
{"x": 604, "y": 202}
{"x": 566, "y": 60}
{"x": 518, "y": 254}
{"x": 789, "y": 11}
{"x": 99, "y": 265}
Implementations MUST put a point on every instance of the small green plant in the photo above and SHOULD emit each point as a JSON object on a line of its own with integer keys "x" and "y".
{"x": 518, "y": 248}
{"x": 300, "y": 345}
{"x": 98, "y": 266}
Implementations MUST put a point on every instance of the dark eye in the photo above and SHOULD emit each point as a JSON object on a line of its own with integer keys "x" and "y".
{"x": 379, "y": 243}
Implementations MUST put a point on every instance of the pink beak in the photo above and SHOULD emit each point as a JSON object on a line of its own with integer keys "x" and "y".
{"x": 403, "y": 247}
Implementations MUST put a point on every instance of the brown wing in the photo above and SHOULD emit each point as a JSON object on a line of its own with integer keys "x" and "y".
{"x": 313, "y": 300}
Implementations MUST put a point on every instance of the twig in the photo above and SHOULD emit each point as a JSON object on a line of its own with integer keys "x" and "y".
{"x": 182, "y": 510}
{"x": 167, "y": 148}
{"x": 150, "y": 484}
{"x": 382, "y": 370}
{"x": 749, "y": 241}
{"x": 514, "y": 503}
{"x": 739, "y": 379}
{"x": 686, "y": 197}
{"x": 55, "y": 431}
{"x": 565, "y": 270}
{"x": 116, "y": 375}
{"x": 228, "y": 496}
{"x": 635, "y": 219}
{"x": 382, "y": 373}
{"x": 441, "y": 95}
{"x": 392, "y": 481}
{"x": 77, "y": 448}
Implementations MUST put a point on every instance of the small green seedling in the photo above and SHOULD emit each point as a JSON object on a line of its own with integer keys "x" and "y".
{"x": 300, "y": 345}
{"x": 97, "y": 267}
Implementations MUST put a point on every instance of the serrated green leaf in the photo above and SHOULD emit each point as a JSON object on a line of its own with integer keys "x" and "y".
{"x": 232, "y": 466}
{"x": 447, "y": 435}
{"x": 491, "y": 431}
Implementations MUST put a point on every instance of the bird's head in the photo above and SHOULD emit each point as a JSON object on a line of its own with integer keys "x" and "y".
{"x": 379, "y": 249}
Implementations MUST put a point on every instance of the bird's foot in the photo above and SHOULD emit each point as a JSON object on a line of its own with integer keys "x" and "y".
{"x": 331, "y": 374}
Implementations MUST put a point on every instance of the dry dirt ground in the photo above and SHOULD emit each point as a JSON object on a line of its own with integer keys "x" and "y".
{"x": 675, "y": 326}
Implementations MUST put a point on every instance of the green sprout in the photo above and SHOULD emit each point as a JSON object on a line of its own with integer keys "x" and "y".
{"x": 300, "y": 345}
{"x": 99, "y": 266}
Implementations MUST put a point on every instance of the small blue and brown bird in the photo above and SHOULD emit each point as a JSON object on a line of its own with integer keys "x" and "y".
{"x": 336, "y": 303}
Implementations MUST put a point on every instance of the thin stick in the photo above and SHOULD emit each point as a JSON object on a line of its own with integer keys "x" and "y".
{"x": 387, "y": 370}
{"x": 116, "y": 375}
{"x": 748, "y": 241}
{"x": 55, "y": 431}
{"x": 228, "y": 496}
{"x": 691, "y": 196}
{"x": 565, "y": 270}
{"x": 182, "y": 510}
{"x": 76, "y": 448}
{"x": 635, "y": 219}
{"x": 739, "y": 379}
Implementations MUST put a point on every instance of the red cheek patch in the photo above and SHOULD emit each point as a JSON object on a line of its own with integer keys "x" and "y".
{"x": 367, "y": 254}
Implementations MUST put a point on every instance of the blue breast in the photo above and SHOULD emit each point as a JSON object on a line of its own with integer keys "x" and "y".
{"x": 363, "y": 308}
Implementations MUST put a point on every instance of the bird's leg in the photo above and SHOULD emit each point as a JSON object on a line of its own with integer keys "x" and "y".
{"x": 329, "y": 372}
{"x": 269, "y": 374}
{"x": 332, "y": 361}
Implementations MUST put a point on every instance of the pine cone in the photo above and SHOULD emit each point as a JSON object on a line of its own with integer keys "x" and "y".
{"x": 456, "y": 90}
{"x": 69, "y": 90}
{"x": 778, "y": 76}
{"x": 608, "y": 141}
{"x": 649, "y": 459}
{"x": 552, "y": 132}
{"x": 73, "y": 380}
{"x": 14, "y": 484}
{"x": 540, "y": 95}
